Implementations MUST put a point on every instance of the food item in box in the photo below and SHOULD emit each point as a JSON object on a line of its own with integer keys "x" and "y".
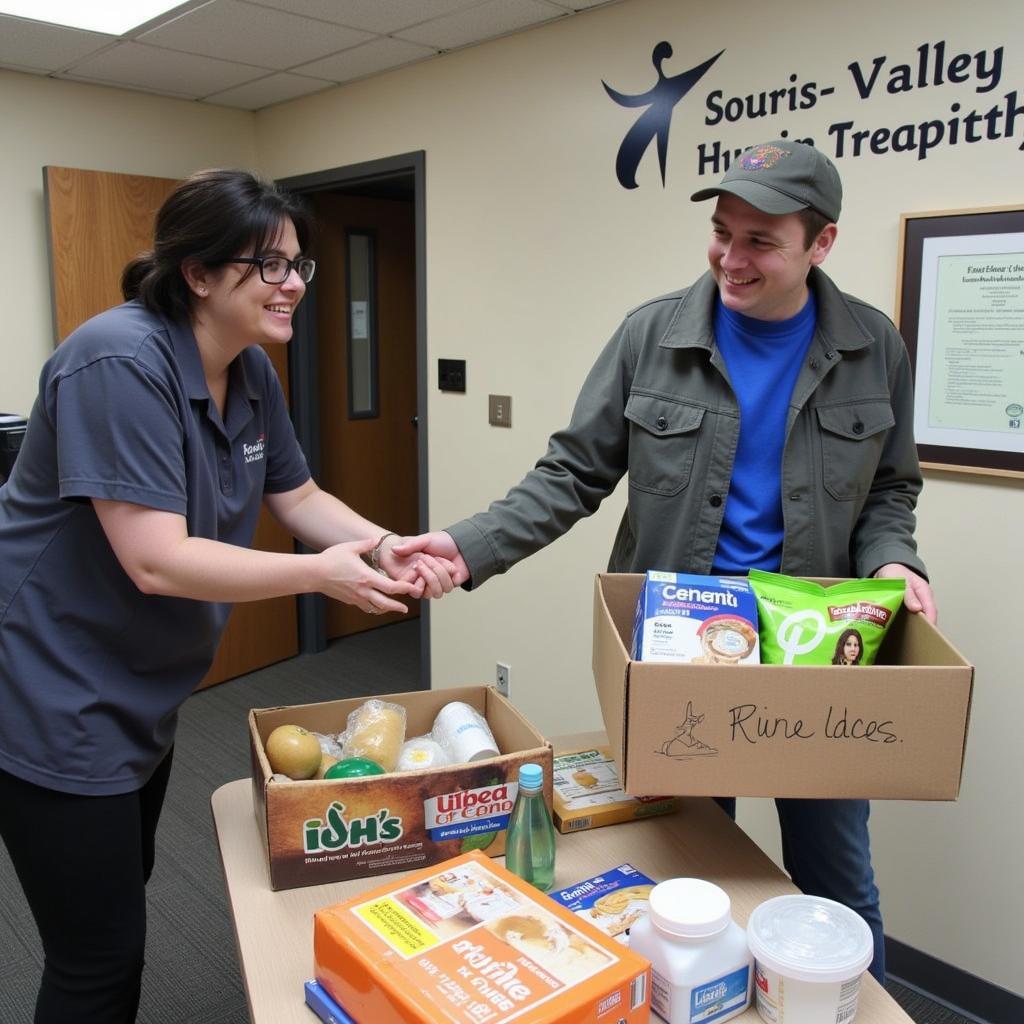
{"x": 613, "y": 901}
{"x": 376, "y": 730}
{"x": 464, "y": 734}
{"x": 804, "y": 623}
{"x": 467, "y": 942}
{"x": 587, "y": 793}
{"x": 421, "y": 752}
{"x": 293, "y": 751}
{"x": 353, "y": 768}
{"x": 703, "y": 620}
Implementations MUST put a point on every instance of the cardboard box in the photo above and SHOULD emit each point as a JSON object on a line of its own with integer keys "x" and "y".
{"x": 329, "y": 830}
{"x": 612, "y": 901}
{"x": 895, "y": 730}
{"x": 587, "y": 793}
{"x": 467, "y": 942}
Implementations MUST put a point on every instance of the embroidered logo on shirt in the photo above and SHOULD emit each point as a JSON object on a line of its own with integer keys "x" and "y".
{"x": 254, "y": 452}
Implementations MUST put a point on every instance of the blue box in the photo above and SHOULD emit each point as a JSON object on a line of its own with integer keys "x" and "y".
{"x": 612, "y": 901}
{"x": 703, "y": 620}
{"x": 318, "y": 999}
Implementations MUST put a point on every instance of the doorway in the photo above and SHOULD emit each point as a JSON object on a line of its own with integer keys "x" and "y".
{"x": 358, "y": 363}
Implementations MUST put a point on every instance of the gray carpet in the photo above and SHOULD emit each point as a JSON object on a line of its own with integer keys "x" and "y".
{"x": 192, "y": 972}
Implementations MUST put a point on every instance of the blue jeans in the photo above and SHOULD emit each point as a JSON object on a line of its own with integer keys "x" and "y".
{"x": 827, "y": 852}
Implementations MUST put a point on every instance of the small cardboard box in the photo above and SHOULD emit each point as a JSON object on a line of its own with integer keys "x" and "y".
{"x": 588, "y": 794}
{"x": 467, "y": 942}
{"x": 329, "y": 830}
{"x": 612, "y": 901}
{"x": 895, "y": 730}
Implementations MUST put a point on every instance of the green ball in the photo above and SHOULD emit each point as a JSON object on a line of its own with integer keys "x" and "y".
{"x": 353, "y": 768}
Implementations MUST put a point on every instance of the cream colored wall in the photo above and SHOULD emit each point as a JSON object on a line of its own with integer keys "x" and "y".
{"x": 533, "y": 254}
{"x": 64, "y": 124}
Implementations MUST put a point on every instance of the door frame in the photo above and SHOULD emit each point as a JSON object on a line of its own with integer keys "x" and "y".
{"x": 302, "y": 356}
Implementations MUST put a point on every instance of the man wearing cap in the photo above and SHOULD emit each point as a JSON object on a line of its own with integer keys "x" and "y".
{"x": 764, "y": 419}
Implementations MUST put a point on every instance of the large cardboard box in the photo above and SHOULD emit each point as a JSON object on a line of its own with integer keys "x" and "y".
{"x": 329, "y": 830}
{"x": 467, "y": 942}
{"x": 893, "y": 730}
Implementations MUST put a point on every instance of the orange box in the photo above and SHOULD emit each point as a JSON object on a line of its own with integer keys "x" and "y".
{"x": 467, "y": 942}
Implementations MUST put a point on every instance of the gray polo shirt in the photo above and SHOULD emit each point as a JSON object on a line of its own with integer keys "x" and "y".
{"x": 92, "y": 671}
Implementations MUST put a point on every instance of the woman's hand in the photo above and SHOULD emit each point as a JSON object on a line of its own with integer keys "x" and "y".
{"x": 346, "y": 577}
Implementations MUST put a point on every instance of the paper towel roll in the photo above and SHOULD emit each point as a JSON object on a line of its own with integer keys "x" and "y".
{"x": 464, "y": 733}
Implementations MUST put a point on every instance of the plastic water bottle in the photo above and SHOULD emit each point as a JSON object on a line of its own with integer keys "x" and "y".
{"x": 530, "y": 843}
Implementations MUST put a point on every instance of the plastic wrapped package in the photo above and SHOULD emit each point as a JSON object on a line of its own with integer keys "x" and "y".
{"x": 376, "y": 730}
{"x": 421, "y": 752}
{"x": 464, "y": 734}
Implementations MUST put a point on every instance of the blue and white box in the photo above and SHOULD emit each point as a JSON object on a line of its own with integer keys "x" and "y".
{"x": 703, "y": 620}
{"x": 612, "y": 902}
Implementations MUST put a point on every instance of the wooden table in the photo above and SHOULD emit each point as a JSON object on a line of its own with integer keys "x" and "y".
{"x": 275, "y": 929}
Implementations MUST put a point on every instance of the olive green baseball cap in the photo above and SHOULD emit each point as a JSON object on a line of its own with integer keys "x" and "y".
{"x": 780, "y": 177}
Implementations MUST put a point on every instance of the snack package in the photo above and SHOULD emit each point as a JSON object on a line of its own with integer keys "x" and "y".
{"x": 376, "y": 730}
{"x": 421, "y": 752}
{"x": 804, "y": 623}
{"x": 703, "y": 620}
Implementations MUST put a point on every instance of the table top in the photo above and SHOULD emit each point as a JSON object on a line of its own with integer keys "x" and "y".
{"x": 274, "y": 930}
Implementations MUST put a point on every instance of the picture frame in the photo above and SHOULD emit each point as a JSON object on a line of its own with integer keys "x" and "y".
{"x": 960, "y": 309}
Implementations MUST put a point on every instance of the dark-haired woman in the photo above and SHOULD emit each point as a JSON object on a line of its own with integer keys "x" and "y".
{"x": 849, "y": 648}
{"x": 125, "y": 528}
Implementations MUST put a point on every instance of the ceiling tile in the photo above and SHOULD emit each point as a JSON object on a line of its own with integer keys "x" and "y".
{"x": 490, "y": 19}
{"x": 183, "y": 74}
{"x": 251, "y": 34}
{"x": 47, "y": 47}
{"x": 266, "y": 91}
{"x": 368, "y": 59}
{"x": 370, "y": 15}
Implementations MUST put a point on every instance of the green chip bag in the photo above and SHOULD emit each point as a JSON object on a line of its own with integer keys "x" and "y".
{"x": 804, "y": 623}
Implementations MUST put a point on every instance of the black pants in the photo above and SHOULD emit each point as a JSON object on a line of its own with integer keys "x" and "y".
{"x": 83, "y": 862}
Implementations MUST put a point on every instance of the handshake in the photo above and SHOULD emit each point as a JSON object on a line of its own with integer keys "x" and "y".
{"x": 431, "y": 562}
{"x": 373, "y": 574}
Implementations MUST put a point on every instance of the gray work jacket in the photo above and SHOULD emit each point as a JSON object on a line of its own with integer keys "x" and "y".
{"x": 658, "y": 406}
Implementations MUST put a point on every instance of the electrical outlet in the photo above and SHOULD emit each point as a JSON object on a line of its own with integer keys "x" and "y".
{"x": 504, "y": 678}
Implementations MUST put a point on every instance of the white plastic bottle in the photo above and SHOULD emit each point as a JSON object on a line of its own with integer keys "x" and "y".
{"x": 701, "y": 964}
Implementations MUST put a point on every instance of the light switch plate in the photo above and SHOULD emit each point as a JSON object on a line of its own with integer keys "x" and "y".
{"x": 499, "y": 410}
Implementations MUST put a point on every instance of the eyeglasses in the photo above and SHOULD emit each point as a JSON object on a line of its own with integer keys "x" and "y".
{"x": 275, "y": 269}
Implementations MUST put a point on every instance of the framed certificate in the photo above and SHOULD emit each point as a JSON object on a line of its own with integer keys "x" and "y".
{"x": 960, "y": 309}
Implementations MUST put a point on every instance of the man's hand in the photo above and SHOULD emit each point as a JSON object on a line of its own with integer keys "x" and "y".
{"x": 437, "y": 574}
{"x": 438, "y": 546}
{"x": 918, "y": 596}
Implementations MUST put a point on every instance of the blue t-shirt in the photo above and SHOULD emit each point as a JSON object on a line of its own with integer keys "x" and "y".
{"x": 763, "y": 358}
{"x": 92, "y": 671}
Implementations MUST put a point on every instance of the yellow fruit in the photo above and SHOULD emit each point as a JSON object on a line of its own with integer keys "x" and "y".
{"x": 325, "y": 762}
{"x": 293, "y": 751}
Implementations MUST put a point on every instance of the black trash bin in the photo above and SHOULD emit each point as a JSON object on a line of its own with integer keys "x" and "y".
{"x": 12, "y": 430}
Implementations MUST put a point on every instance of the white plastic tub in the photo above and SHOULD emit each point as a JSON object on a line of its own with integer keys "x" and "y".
{"x": 809, "y": 955}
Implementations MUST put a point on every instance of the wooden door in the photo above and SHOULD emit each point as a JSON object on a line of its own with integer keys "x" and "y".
{"x": 97, "y": 222}
{"x": 370, "y": 463}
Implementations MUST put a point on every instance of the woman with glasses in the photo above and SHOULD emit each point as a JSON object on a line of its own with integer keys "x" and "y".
{"x": 158, "y": 433}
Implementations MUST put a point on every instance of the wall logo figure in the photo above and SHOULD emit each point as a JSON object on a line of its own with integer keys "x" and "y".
{"x": 656, "y": 120}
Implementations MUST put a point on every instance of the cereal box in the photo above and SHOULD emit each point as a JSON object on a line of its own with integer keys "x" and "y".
{"x": 613, "y": 901}
{"x": 467, "y": 942}
{"x": 703, "y": 620}
{"x": 587, "y": 793}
